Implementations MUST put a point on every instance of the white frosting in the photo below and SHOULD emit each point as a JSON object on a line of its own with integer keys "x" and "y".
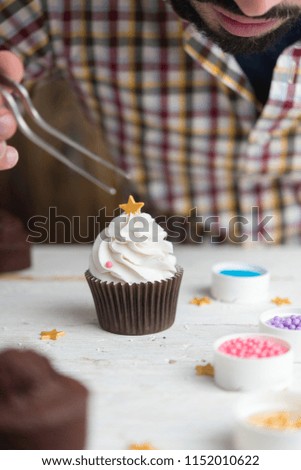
{"x": 132, "y": 249}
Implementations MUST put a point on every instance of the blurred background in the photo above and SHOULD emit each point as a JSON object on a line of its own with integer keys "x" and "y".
{"x": 39, "y": 182}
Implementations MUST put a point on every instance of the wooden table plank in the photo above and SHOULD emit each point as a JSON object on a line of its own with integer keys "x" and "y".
{"x": 142, "y": 388}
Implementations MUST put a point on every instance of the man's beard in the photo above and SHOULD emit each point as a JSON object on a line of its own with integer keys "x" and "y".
{"x": 235, "y": 44}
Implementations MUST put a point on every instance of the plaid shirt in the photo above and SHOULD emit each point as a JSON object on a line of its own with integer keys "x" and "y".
{"x": 176, "y": 111}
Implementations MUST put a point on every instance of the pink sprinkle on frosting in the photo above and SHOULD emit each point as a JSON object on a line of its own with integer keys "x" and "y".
{"x": 252, "y": 347}
{"x": 108, "y": 264}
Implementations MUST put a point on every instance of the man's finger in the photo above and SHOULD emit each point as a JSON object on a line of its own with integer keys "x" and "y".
{"x": 8, "y": 125}
{"x": 8, "y": 156}
{"x": 11, "y": 66}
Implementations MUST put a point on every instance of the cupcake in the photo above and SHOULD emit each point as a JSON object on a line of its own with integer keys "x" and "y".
{"x": 39, "y": 408}
{"x": 133, "y": 275}
{"x": 14, "y": 249}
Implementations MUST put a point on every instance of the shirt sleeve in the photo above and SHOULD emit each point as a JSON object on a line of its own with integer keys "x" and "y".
{"x": 24, "y": 31}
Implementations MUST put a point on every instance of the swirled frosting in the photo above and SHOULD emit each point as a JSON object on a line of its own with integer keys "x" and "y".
{"x": 132, "y": 249}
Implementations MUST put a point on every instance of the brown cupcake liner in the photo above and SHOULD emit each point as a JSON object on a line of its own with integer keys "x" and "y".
{"x": 135, "y": 309}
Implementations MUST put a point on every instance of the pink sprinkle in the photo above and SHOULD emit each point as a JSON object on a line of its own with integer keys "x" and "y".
{"x": 252, "y": 348}
{"x": 108, "y": 264}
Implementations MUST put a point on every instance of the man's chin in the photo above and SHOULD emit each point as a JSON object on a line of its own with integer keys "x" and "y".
{"x": 245, "y": 45}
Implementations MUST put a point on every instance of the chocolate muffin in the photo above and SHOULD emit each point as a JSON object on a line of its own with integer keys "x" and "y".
{"x": 14, "y": 249}
{"x": 39, "y": 407}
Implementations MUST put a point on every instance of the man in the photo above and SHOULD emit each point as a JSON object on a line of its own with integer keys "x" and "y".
{"x": 199, "y": 100}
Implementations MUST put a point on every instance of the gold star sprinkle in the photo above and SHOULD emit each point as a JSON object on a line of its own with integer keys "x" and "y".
{"x": 131, "y": 207}
{"x": 53, "y": 334}
{"x": 281, "y": 301}
{"x": 280, "y": 420}
{"x": 199, "y": 301}
{"x": 207, "y": 369}
{"x": 143, "y": 446}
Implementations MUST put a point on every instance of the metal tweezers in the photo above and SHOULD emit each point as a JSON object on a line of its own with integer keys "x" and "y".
{"x": 19, "y": 93}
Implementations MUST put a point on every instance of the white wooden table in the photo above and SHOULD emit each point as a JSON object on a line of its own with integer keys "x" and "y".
{"x": 142, "y": 388}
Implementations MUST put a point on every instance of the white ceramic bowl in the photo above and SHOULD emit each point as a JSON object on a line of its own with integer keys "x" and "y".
{"x": 291, "y": 336}
{"x": 239, "y": 289}
{"x": 250, "y": 436}
{"x": 245, "y": 374}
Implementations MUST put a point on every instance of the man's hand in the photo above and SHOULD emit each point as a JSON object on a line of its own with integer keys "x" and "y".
{"x": 11, "y": 66}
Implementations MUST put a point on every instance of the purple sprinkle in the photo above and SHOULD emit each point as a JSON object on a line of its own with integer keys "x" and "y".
{"x": 290, "y": 322}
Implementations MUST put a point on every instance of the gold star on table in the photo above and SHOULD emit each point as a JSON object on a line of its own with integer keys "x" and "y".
{"x": 281, "y": 301}
{"x": 53, "y": 334}
{"x": 199, "y": 301}
{"x": 207, "y": 369}
{"x": 131, "y": 207}
{"x": 143, "y": 446}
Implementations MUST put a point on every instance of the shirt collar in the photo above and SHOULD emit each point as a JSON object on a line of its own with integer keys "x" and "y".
{"x": 217, "y": 62}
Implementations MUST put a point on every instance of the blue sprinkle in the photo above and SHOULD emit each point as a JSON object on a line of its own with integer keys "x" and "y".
{"x": 239, "y": 273}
